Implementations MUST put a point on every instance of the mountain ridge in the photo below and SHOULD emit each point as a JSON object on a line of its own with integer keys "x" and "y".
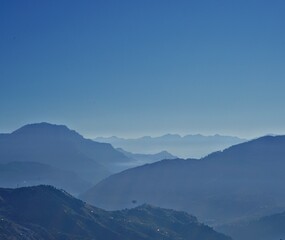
{"x": 43, "y": 212}
{"x": 141, "y": 159}
{"x": 62, "y": 148}
{"x": 187, "y": 146}
{"x": 225, "y": 186}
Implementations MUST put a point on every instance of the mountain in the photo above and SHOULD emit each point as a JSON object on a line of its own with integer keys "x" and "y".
{"x": 45, "y": 213}
{"x": 60, "y": 147}
{"x": 140, "y": 159}
{"x": 193, "y": 146}
{"x": 20, "y": 174}
{"x": 266, "y": 228}
{"x": 243, "y": 181}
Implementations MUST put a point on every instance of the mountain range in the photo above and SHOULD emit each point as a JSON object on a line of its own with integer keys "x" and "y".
{"x": 239, "y": 190}
{"x": 45, "y": 213}
{"x": 242, "y": 182}
{"x": 188, "y": 146}
{"x": 45, "y": 153}
{"x": 60, "y": 147}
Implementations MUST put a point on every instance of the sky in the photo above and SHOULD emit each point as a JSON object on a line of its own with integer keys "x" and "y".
{"x": 144, "y": 67}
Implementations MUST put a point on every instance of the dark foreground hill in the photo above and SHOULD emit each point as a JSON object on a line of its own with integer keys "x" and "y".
{"x": 45, "y": 213}
{"x": 246, "y": 180}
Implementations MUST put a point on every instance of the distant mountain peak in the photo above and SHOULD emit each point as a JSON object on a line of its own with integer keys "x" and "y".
{"x": 170, "y": 135}
{"x": 44, "y": 128}
{"x": 63, "y": 148}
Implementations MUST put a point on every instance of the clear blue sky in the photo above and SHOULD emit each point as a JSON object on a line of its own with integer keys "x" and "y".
{"x": 144, "y": 67}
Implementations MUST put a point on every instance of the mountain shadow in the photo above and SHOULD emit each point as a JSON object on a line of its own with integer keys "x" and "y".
{"x": 265, "y": 228}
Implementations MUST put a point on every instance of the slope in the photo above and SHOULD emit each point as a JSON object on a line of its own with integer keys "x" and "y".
{"x": 43, "y": 212}
{"x": 20, "y": 174}
{"x": 60, "y": 147}
{"x": 243, "y": 181}
{"x": 266, "y": 228}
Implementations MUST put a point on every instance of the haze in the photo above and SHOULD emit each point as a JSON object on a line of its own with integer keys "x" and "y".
{"x": 135, "y": 68}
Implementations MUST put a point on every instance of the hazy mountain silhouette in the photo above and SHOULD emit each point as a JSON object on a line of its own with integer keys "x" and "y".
{"x": 193, "y": 146}
{"x": 20, "y": 174}
{"x": 242, "y": 181}
{"x": 265, "y": 228}
{"x": 60, "y": 147}
{"x": 140, "y": 159}
{"x": 44, "y": 213}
